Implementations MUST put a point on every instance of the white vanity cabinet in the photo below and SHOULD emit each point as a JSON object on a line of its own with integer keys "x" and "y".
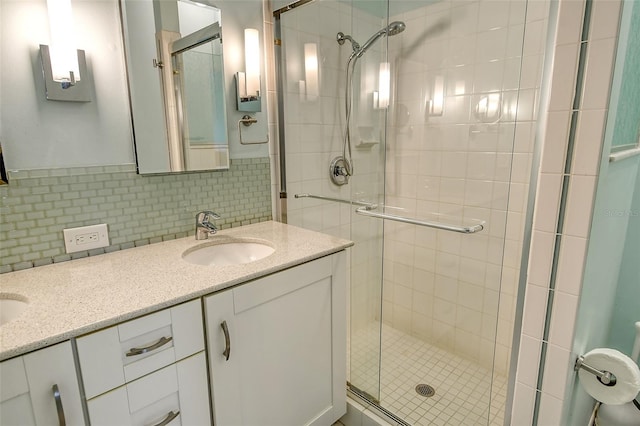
{"x": 148, "y": 371}
{"x": 40, "y": 388}
{"x": 276, "y": 347}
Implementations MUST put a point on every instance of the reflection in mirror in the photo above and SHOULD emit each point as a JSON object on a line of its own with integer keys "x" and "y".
{"x": 176, "y": 82}
{"x": 198, "y": 76}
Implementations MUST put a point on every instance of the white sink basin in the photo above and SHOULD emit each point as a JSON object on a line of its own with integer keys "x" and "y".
{"x": 234, "y": 252}
{"x": 11, "y": 307}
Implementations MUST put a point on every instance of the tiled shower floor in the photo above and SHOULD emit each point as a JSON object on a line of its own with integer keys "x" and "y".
{"x": 463, "y": 389}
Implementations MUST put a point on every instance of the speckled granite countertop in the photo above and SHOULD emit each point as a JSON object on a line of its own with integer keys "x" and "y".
{"x": 73, "y": 298}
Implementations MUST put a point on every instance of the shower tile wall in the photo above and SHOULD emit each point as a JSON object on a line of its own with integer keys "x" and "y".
{"x": 469, "y": 163}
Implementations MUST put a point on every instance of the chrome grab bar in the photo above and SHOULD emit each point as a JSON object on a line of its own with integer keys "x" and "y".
{"x": 337, "y": 200}
{"x": 366, "y": 211}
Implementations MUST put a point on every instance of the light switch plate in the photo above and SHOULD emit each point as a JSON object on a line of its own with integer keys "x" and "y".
{"x": 86, "y": 238}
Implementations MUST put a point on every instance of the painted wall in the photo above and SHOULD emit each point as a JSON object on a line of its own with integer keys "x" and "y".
{"x": 627, "y": 312}
{"x": 603, "y": 273}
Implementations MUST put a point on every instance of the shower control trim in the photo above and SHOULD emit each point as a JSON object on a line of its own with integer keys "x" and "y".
{"x": 338, "y": 171}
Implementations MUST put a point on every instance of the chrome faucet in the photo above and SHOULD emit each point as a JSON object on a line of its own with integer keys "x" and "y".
{"x": 204, "y": 226}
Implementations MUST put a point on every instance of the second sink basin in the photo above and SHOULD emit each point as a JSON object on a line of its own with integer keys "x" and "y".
{"x": 11, "y": 307}
{"x": 234, "y": 252}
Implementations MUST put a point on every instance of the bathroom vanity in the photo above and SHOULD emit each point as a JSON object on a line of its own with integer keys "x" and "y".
{"x": 143, "y": 337}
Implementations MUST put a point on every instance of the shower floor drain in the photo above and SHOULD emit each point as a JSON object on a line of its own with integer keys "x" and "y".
{"x": 425, "y": 390}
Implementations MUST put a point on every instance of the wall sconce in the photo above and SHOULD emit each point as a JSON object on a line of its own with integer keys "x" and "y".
{"x": 381, "y": 96}
{"x": 435, "y": 107}
{"x": 248, "y": 82}
{"x": 64, "y": 68}
{"x": 312, "y": 87}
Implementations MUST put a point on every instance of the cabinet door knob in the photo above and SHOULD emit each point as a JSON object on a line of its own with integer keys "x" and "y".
{"x": 139, "y": 351}
{"x": 59, "y": 408}
{"x": 170, "y": 416}
{"x": 227, "y": 340}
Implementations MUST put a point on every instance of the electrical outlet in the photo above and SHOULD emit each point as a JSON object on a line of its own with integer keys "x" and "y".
{"x": 86, "y": 238}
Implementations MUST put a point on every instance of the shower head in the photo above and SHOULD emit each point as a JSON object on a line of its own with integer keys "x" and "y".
{"x": 392, "y": 29}
{"x": 395, "y": 27}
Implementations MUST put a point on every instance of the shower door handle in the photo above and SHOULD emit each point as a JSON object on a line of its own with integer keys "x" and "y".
{"x": 366, "y": 211}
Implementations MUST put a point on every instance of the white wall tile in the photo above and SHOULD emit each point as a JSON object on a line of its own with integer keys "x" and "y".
{"x": 605, "y": 15}
{"x": 563, "y": 79}
{"x": 577, "y": 219}
{"x": 534, "y": 311}
{"x": 571, "y": 264}
{"x": 563, "y": 319}
{"x": 597, "y": 77}
{"x": 556, "y": 368}
{"x": 550, "y": 410}
{"x": 528, "y": 361}
{"x": 570, "y": 19}
{"x": 523, "y": 405}
{"x": 555, "y": 142}
{"x": 548, "y": 198}
{"x": 540, "y": 258}
{"x": 588, "y": 143}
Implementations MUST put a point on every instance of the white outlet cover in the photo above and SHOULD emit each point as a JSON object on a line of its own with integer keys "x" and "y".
{"x": 71, "y": 236}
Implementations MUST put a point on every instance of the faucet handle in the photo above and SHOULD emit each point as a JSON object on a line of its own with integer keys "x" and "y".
{"x": 206, "y": 215}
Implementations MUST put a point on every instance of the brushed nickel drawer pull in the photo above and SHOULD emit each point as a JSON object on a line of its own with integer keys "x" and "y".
{"x": 170, "y": 416}
{"x": 59, "y": 408}
{"x": 227, "y": 340}
{"x": 139, "y": 351}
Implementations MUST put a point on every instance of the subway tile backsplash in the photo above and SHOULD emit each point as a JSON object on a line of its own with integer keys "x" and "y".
{"x": 38, "y": 204}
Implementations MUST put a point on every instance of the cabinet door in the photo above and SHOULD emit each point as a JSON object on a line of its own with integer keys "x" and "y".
{"x": 287, "y": 360}
{"x": 174, "y": 395}
{"x": 41, "y": 388}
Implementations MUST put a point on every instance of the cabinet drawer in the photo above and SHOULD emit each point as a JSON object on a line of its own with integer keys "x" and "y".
{"x": 176, "y": 395}
{"x": 120, "y": 354}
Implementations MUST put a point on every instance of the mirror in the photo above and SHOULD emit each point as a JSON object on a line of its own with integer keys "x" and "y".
{"x": 176, "y": 77}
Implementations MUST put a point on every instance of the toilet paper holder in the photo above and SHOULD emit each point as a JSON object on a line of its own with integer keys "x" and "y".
{"x": 604, "y": 377}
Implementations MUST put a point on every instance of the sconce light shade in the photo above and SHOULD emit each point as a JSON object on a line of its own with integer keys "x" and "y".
{"x": 248, "y": 82}
{"x": 64, "y": 68}
{"x": 62, "y": 49}
{"x": 436, "y": 103}
{"x": 311, "y": 71}
{"x": 252, "y": 61}
{"x": 384, "y": 85}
